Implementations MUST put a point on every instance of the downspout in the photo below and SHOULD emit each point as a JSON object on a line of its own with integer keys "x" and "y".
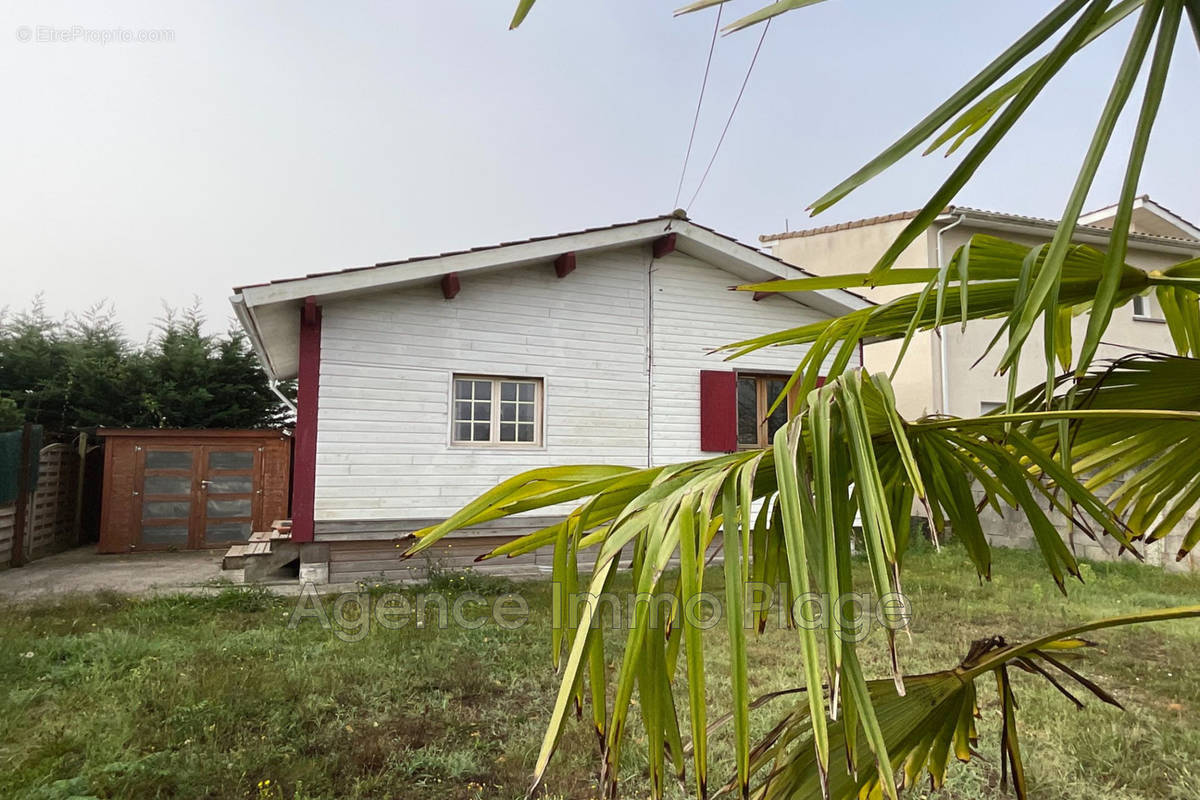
{"x": 650, "y": 363}
{"x": 943, "y": 358}
{"x": 274, "y": 387}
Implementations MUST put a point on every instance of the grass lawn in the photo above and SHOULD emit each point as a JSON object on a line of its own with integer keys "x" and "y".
{"x": 187, "y": 697}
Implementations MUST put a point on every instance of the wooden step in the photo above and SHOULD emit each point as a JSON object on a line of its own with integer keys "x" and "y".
{"x": 234, "y": 557}
{"x": 261, "y": 543}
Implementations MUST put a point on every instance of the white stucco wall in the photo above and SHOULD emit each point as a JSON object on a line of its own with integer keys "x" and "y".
{"x": 855, "y": 250}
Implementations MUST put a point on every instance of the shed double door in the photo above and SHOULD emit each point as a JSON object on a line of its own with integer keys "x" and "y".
{"x": 197, "y": 496}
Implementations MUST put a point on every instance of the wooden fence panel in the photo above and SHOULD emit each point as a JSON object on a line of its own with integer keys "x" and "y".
{"x": 8, "y": 518}
{"x": 52, "y": 510}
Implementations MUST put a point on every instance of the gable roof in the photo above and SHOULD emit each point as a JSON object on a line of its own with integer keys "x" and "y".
{"x": 1153, "y": 224}
{"x": 1148, "y": 217}
{"x": 269, "y": 312}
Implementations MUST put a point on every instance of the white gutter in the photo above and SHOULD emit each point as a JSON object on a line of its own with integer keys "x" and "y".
{"x": 1082, "y": 233}
{"x": 246, "y": 318}
{"x": 945, "y": 366}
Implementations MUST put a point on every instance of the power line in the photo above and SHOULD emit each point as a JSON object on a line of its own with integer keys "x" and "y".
{"x": 699, "y": 101}
{"x": 732, "y": 111}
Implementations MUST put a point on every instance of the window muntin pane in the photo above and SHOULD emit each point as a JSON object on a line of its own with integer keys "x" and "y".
{"x": 472, "y": 410}
{"x": 747, "y": 411}
{"x": 518, "y": 401}
{"x": 495, "y": 411}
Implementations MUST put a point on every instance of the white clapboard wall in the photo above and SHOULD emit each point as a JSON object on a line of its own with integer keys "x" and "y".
{"x": 595, "y": 339}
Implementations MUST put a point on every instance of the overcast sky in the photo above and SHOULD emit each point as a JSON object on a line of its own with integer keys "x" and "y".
{"x": 267, "y": 140}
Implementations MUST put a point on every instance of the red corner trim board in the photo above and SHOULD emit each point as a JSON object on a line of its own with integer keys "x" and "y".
{"x": 308, "y": 378}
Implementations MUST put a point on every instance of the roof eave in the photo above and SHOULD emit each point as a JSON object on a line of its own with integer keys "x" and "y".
{"x": 1083, "y": 233}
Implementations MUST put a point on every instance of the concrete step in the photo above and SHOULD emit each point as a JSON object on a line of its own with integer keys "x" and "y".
{"x": 279, "y": 560}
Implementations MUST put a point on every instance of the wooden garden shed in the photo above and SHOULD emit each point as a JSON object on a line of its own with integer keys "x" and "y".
{"x": 191, "y": 489}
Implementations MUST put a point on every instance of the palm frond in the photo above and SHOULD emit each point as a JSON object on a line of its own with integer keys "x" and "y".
{"x": 845, "y": 453}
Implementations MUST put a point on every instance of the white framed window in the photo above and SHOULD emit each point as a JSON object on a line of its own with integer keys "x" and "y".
{"x": 1144, "y": 308}
{"x": 488, "y": 410}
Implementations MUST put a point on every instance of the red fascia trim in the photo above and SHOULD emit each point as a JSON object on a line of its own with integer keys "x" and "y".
{"x": 308, "y": 379}
{"x": 564, "y": 265}
{"x": 451, "y": 285}
{"x": 663, "y": 246}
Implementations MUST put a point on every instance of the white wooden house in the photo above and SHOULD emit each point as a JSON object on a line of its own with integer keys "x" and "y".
{"x": 424, "y": 382}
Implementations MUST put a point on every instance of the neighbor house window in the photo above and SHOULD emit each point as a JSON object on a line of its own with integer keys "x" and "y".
{"x": 496, "y": 411}
{"x": 755, "y": 395}
{"x": 1146, "y": 309}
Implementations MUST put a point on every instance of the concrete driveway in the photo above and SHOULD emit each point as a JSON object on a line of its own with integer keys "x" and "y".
{"x": 83, "y": 570}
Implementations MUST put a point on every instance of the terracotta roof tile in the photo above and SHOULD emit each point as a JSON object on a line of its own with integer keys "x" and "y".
{"x": 841, "y": 226}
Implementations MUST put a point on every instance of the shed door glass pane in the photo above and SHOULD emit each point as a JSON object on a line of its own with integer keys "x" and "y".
{"x": 234, "y": 459}
{"x": 168, "y": 484}
{"x": 227, "y": 532}
{"x": 231, "y": 484}
{"x": 166, "y": 510}
{"x": 168, "y": 459}
{"x": 173, "y": 535}
{"x": 228, "y": 508}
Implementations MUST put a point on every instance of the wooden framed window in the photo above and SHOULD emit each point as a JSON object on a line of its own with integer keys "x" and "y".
{"x": 755, "y": 394}
{"x": 490, "y": 411}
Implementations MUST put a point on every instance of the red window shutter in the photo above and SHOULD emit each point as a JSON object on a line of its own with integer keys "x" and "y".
{"x": 718, "y": 411}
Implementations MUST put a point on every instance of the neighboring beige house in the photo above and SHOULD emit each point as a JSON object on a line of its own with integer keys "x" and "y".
{"x": 937, "y": 375}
